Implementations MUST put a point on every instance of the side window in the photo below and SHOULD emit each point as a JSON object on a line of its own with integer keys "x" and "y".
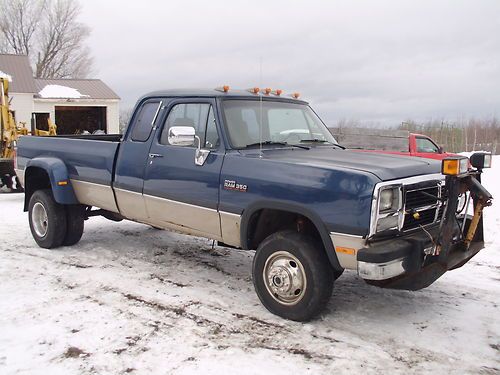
{"x": 144, "y": 121}
{"x": 426, "y": 145}
{"x": 200, "y": 116}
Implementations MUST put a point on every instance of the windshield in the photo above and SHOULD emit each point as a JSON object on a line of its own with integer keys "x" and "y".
{"x": 282, "y": 123}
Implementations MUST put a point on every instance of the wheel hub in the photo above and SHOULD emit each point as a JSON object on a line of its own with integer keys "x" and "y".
{"x": 285, "y": 278}
{"x": 39, "y": 219}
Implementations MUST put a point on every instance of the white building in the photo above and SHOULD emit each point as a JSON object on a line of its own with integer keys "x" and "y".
{"x": 74, "y": 105}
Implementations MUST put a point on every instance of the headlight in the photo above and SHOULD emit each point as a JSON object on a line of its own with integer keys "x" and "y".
{"x": 480, "y": 160}
{"x": 389, "y": 200}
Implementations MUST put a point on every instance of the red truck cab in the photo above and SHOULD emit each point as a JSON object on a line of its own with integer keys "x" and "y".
{"x": 389, "y": 141}
{"x": 424, "y": 147}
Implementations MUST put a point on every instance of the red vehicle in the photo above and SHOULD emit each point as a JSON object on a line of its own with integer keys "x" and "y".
{"x": 398, "y": 142}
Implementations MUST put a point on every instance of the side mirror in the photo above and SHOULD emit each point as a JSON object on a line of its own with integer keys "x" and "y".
{"x": 181, "y": 136}
{"x": 440, "y": 150}
{"x": 186, "y": 136}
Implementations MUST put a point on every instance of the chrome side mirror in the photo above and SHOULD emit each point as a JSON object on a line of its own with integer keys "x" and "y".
{"x": 181, "y": 136}
{"x": 186, "y": 136}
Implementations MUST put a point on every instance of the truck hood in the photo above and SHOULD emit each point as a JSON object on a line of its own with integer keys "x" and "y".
{"x": 385, "y": 167}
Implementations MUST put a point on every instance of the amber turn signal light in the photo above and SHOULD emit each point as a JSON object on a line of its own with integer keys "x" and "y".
{"x": 454, "y": 166}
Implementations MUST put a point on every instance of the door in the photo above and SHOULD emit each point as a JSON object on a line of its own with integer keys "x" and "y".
{"x": 132, "y": 159}
{"x": 177, "y": 192}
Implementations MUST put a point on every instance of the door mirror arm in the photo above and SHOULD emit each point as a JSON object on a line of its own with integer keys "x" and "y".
{"x": 201, "y": 154}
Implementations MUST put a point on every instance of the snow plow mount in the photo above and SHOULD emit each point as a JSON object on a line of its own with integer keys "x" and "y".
{"x": 425, "y": 256}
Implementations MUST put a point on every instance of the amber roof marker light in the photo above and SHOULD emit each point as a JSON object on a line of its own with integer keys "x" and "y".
{"x": 267, "y": 91}
{"x": 254, "y": 90}
{"x": 277, "y": 92}
{"x": 295, "y": 95}
{"x": 224, "y": 88}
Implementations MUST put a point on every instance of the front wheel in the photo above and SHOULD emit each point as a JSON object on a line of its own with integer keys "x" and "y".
{"x": 47, "y": 219}
{"x": 292, "y": 275}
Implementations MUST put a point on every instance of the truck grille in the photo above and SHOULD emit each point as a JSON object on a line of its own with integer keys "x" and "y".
{"x": 426, "y": 202}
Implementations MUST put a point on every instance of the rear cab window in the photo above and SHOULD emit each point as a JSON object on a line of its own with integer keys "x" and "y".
{"x": 144, "y": 121}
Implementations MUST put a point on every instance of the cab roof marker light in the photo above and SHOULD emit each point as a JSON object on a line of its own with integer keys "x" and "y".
{"x": 277, "y": 92}
{"x": 224, "y": 88}
{"x": 254, "y": 90}
{"x": 295, "y": 95}
{"x": 267, "y": 91}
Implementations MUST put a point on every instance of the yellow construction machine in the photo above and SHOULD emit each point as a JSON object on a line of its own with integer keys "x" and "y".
{"x": 9, "y": 133}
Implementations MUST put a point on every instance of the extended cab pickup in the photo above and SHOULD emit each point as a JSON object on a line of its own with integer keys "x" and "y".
{"x": 260, "y": 172}
{"x": 389, "y": 141}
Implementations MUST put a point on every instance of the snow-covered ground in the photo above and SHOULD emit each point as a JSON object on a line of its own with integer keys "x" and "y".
{"x": 132, "y": 299}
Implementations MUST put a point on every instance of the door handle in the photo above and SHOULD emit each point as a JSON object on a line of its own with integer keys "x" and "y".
{"x": 155, "y": 156}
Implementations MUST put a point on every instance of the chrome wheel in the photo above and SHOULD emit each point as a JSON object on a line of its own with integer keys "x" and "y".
{"x": 285, "y": 278}
{"x": 39, "y": 219}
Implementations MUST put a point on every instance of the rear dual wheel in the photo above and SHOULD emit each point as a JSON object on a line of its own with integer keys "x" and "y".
{"x": 53, "y": 224}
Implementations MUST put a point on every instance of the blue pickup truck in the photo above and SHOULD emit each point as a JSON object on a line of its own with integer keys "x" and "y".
{"x": 261, "y": 171}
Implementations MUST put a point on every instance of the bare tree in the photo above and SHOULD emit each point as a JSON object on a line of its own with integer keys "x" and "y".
{"x": 49, "y": 33}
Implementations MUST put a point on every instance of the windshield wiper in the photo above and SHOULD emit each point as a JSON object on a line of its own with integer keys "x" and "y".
{"x": 316, "y": 140}
{"x": 272, "y": 143}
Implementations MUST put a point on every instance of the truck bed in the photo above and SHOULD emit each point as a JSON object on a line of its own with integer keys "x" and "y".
{"x": 88, "y": 158}
{"x": 392, "y": 141}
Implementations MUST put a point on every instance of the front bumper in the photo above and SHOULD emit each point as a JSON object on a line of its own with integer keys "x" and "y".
{"x": 415, "y": 261}
{"x": 406, "y": 263}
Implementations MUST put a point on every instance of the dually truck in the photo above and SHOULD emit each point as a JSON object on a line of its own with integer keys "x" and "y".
{"x": 260, "y": 171}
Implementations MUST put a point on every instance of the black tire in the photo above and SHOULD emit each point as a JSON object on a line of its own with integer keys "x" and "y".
{"x": 75, "y": 217}
{"x": 55, "y": 223}
{"x": 313, "y": 263}
{"x": 337, "y": 274}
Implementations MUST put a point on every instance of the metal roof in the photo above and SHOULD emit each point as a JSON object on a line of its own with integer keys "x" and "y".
{"x": 200, "y": 93}
{"x": 19, "y": 68}
{"x": 90, "y": 88}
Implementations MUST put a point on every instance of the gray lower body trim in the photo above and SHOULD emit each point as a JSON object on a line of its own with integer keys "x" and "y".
{"x": 162, "y": 212}
{"x": 92, "y": 194}
{"x": 131, "y": 204}
{"x": 184, "y": 217}
{"x": 231, "y": 228}
{"x": 346, "y": 247}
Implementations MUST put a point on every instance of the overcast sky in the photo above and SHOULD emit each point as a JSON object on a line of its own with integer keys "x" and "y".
{"x": 370, "y": 61}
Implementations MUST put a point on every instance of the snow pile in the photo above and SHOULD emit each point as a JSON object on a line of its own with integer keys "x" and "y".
{"x": 5, "y": 75}
{"x": 57, "y": 91}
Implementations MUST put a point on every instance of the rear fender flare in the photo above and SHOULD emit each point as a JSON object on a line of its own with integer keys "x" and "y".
{"x": 58, "y": 174}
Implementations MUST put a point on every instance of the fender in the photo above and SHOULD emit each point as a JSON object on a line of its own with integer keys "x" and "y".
{"x": 58, "y": 174}
{"x": 293, "y": 208}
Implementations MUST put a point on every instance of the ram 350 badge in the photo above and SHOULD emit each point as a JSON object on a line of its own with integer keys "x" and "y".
{"x": 233, "y": 185}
